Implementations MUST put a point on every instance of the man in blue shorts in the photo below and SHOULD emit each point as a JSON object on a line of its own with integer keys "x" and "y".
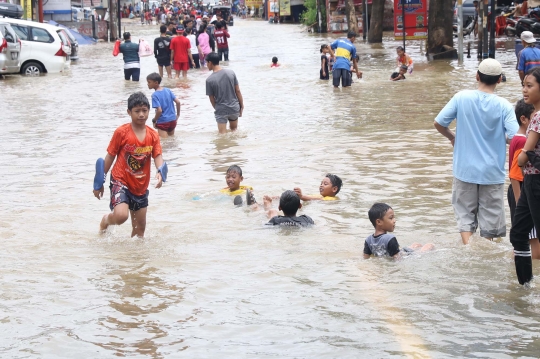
{"x": 345, "y": 52}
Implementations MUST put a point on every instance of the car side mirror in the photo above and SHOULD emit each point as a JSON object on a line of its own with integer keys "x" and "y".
{"x": 9, "y": 38}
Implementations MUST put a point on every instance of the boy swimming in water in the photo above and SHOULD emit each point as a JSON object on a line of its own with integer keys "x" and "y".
{"x": 289, "y": 203}
{"x": 381, "y": 243}
{"x": 233, "y": 177}
{"x": 329, "y": 188}
{"x": 133, "y": 145}
{"x": 396, "y": 76}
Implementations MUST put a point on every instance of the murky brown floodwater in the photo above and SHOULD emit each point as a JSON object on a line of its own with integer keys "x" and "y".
{"x": 209, "y": 281}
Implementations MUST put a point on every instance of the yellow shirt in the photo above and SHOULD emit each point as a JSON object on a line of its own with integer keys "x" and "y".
{"x": 241, "y": 190}
{"x": 327, "y": 198}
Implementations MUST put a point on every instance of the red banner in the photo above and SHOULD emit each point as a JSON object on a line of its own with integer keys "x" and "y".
{"x": 414, "y": 24}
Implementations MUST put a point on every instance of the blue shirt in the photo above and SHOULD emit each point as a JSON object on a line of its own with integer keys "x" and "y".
{"x": 164, "y": 99}
{"x": 483, "y": 121}
{"x": 528, "y": 59}
{"x": 345, "y": 52}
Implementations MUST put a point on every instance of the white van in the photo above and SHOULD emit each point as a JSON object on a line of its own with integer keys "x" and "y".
{"x": 45, "y": 48}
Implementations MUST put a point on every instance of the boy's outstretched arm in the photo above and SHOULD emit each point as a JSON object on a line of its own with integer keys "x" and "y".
{"x": 303, "y": 197}
{"x": 107, "y": 166}
{"x": 366, "y": 256}
{"x": 158, "y": 161}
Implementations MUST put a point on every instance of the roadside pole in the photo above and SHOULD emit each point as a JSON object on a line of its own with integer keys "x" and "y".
{"x": 485, "y": 42}
{"x": 480, "y": 28}
{"x": 404, "y": 28}
{"x": 366, "y": 26}
{"x": 119, "y": 19}
{"x": 40, "y": 10}
{"x": 460, "y": 30}
{"x": 492, "y": 30}
{"x": 364, "y": 19}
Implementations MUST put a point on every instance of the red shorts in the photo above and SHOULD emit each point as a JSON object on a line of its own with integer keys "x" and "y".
{"x": 166, "y": 126}
{"x": 181, "y": 66}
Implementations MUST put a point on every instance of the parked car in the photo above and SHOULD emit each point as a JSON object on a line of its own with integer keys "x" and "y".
{"x": 45, "y": 48}
{"x": 74, "y": 44}
{"x": 11, "y": 10}
{"x": 10, "y": 50}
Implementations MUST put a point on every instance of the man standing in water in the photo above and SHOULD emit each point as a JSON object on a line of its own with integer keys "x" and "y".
{"x": 132, "y": 64}
{"x": 345, "y": 51}
{"x": 224, "y": 93}
{"x": 485, "y": 122}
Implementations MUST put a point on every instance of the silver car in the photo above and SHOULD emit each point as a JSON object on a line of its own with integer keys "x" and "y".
{"x": 10, "y": 50}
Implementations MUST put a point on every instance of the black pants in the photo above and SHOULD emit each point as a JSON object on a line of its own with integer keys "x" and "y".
{"x": 512, "y": 202}
{"x": 132, "y": 73}
{"x": 224, "y": 52}
{"x": 196, "y": 60}
{"x": 526, "y": 216}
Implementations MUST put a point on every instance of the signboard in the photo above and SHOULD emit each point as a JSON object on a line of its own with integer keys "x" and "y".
{"x": 284, "y": 8}
{"x": 57, "y": 7}
{"x": 414, "y": 25}
{"x": 254, "y": 3}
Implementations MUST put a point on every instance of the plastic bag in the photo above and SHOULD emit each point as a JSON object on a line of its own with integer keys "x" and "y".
{"x": 116, "y": 49}
{"x": 145, "y": 49}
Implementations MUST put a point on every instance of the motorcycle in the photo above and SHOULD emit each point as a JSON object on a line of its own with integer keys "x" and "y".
{"x": 530, "y": 23}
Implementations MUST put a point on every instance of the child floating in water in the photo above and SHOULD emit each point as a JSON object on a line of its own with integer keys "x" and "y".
{"x": 275, "y": 62}
{"x": 289, "y": 203}
{"x": 233, "y": 178}
{"x": 396, "y": 76}
{"x": 381, "y": 243}
{"x": 329, "y": 188}
{"x": 404, "y": 59}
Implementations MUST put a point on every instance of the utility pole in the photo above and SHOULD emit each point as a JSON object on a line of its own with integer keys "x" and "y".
{"x": 40, "y": 10}
{"x": 480, "y": 28}
{"x": 492, "y": 30}
{"x": 485, "y": 21}
{"x": 460, "y": 30}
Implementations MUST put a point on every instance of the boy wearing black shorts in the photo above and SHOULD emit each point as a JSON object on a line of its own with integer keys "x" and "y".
{"x": 132, "y": 145}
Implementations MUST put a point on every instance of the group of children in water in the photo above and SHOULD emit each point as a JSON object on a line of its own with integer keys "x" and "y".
{"x": 129, "y": 156}
{"x": 404, "y": 63}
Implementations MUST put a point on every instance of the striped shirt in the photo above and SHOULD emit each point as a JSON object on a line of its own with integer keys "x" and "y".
{"x": 530, "y": 58}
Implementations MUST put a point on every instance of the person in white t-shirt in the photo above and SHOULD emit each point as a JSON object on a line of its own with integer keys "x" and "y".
{"x": 195, "y": 49}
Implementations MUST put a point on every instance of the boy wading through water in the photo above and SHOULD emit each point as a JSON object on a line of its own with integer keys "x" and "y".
{"x": 224, "y": 93}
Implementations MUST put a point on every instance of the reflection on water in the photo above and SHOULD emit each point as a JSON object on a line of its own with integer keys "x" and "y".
{"x": 209, "y": 280}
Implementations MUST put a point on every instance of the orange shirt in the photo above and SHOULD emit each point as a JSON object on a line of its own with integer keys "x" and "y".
{"x": 132, "y": 167}
{"x": 515, "y": 170}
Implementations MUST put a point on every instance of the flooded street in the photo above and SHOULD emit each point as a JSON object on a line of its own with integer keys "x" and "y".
{"x": 209, "y": 280}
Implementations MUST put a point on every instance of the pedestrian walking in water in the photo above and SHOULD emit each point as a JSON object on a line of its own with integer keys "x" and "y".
{"x": 181, "y": 53}
{"x": 485, "y": 122}
{"x": 132, "y": 64}
{"x": 527, "y": 214}
{"x": 345, "y": 51}
{"x": 529, "y": 57}
{"x": 223, "y": 90}
{"x": 162, "y": 51}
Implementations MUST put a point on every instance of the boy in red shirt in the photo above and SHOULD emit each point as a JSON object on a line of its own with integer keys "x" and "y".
{"x": 132, "y": 144}
{"x": 181, "y": 53}
{"x": 221, "y": 36}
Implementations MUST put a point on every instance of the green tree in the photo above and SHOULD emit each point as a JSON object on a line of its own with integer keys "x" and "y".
{"x": 309, "y": 17}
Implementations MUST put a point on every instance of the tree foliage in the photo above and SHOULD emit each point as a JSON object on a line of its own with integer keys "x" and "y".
{"x": 309, "y": 16}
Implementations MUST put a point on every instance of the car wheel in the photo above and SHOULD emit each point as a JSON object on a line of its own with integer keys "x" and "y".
{"x": 32, "y": 69}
